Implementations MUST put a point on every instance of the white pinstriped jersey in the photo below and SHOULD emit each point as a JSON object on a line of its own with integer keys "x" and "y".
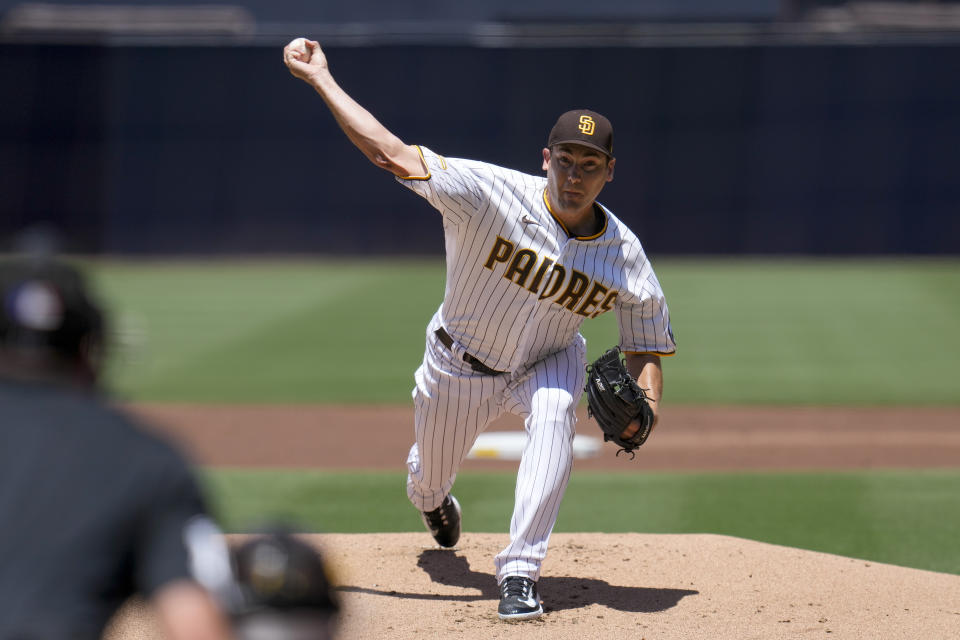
{"x": 518, "y": 286}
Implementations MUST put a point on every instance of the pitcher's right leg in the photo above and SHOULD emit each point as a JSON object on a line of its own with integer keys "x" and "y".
{"x": 452, "y": 405}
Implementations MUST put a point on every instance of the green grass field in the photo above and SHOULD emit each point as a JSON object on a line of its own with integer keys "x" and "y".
{"x": 750, "y": 331}
{"x": 898, "y": 517}
{"x": 820, "y": 332}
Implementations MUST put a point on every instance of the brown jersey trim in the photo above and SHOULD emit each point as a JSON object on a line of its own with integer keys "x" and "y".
{"x": 651, "y": 353}
{"x": 426, "y": 177}
{"x": 603, "y": 229}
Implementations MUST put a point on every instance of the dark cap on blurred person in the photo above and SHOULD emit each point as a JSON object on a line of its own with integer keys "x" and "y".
{"x": 285, "y": 590}
{"x": 48, "y": 317}
{"x": 582, "y": 126}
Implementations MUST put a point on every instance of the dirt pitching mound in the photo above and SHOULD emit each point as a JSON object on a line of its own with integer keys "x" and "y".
{"x": 657, "y": 587}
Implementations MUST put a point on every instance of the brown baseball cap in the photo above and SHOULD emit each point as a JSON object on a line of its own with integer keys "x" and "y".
{"x": 582, "y": 126}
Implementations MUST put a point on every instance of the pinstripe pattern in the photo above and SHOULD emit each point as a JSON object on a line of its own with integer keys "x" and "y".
{"x": 518, "y": 289}
{"x": 452, "y": 405}
{"x": 546, "y": 396}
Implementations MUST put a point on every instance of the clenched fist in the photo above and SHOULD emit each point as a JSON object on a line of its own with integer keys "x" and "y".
{"x": 304, "y": 58}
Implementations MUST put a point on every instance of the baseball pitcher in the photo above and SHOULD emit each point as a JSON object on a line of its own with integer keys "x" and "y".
{"x": 529, "y": 258}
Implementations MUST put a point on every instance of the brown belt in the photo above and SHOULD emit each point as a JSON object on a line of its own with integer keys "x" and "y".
{"x": 475, "y": 364}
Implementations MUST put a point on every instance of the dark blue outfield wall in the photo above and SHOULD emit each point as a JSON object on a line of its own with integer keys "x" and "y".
{"x": 819, "y": 150}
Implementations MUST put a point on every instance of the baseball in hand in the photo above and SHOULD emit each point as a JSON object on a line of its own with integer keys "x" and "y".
{"x": 300, "y": 45}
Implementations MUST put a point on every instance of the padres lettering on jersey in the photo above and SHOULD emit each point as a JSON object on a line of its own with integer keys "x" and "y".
{"x": 573, "y": 297}
{"x": 518, "y": 286}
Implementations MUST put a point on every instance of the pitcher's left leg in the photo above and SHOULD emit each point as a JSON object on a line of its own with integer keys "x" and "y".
{"x": 547, "y": 399}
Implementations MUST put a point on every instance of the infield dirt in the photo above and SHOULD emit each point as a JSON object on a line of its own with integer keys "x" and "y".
{"x": 652, "y": 587}
{"x": 689, "y": 438}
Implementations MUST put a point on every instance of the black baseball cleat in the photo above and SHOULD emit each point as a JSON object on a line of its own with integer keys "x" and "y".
{"x": 443, "y": 523}
{"x": 519, "y": 599}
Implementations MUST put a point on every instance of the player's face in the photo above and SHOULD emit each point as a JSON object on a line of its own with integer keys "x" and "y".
{"x": 575, "y": 175}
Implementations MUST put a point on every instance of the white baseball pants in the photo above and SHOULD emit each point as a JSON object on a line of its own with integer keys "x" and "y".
{"x": 454, "y": 404}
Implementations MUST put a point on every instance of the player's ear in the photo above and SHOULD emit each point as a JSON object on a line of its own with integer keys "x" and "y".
{"x": 546, "y": 158}
{"x": 610, "y": 164}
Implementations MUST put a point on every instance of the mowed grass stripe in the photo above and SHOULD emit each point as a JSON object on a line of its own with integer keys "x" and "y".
{"x": 897, "y": 517}
{"x": 262, "y": 332}
{"x": 813, "y": 332}
{"x": 750, "y": 331}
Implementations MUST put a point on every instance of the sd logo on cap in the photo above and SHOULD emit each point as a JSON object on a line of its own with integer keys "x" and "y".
{"x": 582, "y": 126}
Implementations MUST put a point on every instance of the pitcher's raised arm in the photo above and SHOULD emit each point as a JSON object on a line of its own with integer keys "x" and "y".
{"x": 307, "y": 61}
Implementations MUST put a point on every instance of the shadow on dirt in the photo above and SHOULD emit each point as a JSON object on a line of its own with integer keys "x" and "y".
{"x": 559, "y": 593}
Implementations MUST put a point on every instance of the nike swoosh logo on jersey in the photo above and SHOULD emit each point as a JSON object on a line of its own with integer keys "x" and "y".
{"x": 525, "y": 219}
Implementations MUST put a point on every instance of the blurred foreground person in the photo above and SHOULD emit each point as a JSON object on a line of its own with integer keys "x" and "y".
{"x": 92, "y": 508}
{"x": 285, "y": 592}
